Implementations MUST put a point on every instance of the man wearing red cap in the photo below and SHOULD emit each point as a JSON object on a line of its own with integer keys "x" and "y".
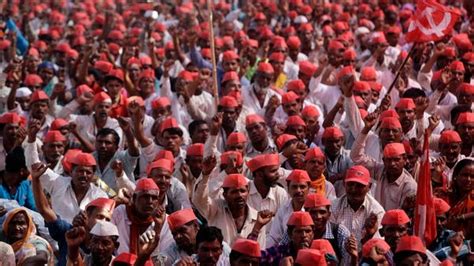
{"x": 230, "y": 212}
{"x": 259, "y": 95}
{"x": 264, "y": 192}
{"x": 10, "y": 124}
{"x": 443, "y": 234}
{"x": 52, "y": 150}
{"x": 259, "y": 141}
{"x": 244, "y": 252}
{"x": 298, "y": 188}
{"x": 70, "y": 194}
{"x": 395, "y": 224}
{"x": 315, "y": 165}
{"x": 464, "y": 125}
{"x": 410, "y": 251}
{"x": 394, "y": 184}
{"x": 134, "y": 220}
{"x": 357, "y": 210}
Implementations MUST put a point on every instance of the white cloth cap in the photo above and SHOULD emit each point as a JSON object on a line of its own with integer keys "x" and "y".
{"x": 301, "y": 20}
{"x": 23, "y": 92}
{"x": 104, "y": 228}
{"x": 361, "y": 30}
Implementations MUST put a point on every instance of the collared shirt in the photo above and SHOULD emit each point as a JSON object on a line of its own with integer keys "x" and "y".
{"x": 278, "y": 228}
{"x": 173, "y": 254}
{"x": 63, "y": 198}
{"x": 218, "y": 214}
{"x": 274, "y": 255}
{"x": 253, "y": 104}
{"x": 342, "y": 213}
{"x": 251, "y": 152}
{"x": 121, "y": 220}
{"x": 463, "y": 255}
{"x": 442, "y": 240}
{"x": 107, "y": 175}
{"x": 340, "y": 164}
{"x": 389, "y": 195}
{"x": 23, "y": 194}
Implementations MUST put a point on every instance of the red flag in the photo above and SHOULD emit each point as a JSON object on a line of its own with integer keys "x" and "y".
{"x": 432, "y": 21}
{"x": 425, "y": 216}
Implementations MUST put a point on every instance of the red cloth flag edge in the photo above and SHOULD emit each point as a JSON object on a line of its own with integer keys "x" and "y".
{"x": 425, "y": 216}
{"x": 432, "y": 21}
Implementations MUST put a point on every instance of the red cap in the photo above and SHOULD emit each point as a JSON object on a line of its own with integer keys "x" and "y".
{"x": 234, "y": 181}
{"x": 411, "y": 243}
{"x": 230, "y": 75}
{"x": 391, "y": 123}
{"x": 102, "y": 97}
{"x": 247, "y": 247}
{"x": 462, "y": 42}
{"x": 251, "y": 43}
{"x": 468, "y": 57}
{"x": 449, "y": 52}
{"x": 310, "y": 111}
{"x": 374, "y": 242}
{"x": 441, "y": 206}
{"x": 236, "y": 138}
{"x": 379, "y": 39}
{"x": 137, "y": 99}
{"x": 376, "y": 86}
{"x": 359, "y": 174}
{"x": 81, "y": 89}
{"x": 228, "y": 102}
{"x": 335, "y": 45}
{"x": 395, "y": 217}
{"x": 196, "y": 149}
{"x": 283, "y": 139}
{"x": 332, "y": 132}
{"x": 54, "y": 136}
{"x": 146, "y": 184}
{"x": 306, "y": 27}
{"x": 180, "y": 218}
{"x": 324, "y": 246}
{"x": 33, "y": 80}
{"x": 345, "y": 71}
{"x": 316, "y": 200}
{"x": 361, "y": 86}
{"x": 466, "y": 88}
{"x": 229, "y": 56}
{"x": 314, "y": 152}
{"x": 465, "y": 118}
{"x": 147, "y": 74}
{"x": 307, "y": 68}
{"x": 295, "y": 120}
{"x": 164, "y": 164}
{"x": 66, "y": 162}
{"x": 116, "y": 74}
{"x": 4, "y": 44}
{"x": 310, "y": 257}
{"x": 263, "y": 160}
{"x": 457, "y": 66}
{"x": 103, "y": 203}
{"x": 83, "y": 159}
{"x": 228, "y": 155}
{"x": 446, "y": 263}
{"x": 252, "y": 119}
{"x": 349, "y": 54}
{"x": 168, "y": 123}
{"x": 265, "y": 68}
{"x": 449, "y": 136}
{"x": 298, "y": 176}
{"x": 164, "y": 154}
{"x": 289, "y": 97}
{"x": 160, "y": 102}
{"x": 296, "y": 85}
{"x": 103, "y": 66}
{"x": 368, "y": 74}
{"x": 11, "y": 118}
{"x": 116, "y": 35}
{"x": 187, "y": 75}
{"x": 38, "y": 95}
{"x": 58, "y": 123}
{"x": 389, "y": 113}
{"x": 393, "y": 149}
{"x": 277, "y": 57}
{"x": 406, "y": 103}
{"x": 300, "y": 218}
{"x": 394, "y": 29}
{"x": 293, "y": 42}
{"x": 260, "y": 16}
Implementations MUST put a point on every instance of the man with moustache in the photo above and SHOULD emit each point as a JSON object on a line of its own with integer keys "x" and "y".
{"x": 315, "y": 165}
{"x": 259, "y": 140}
{"x": 298, "y": 188}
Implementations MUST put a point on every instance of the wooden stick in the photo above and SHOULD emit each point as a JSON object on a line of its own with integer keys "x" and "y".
{"x": 412, "y": 49}
{"x": 213, "y": 53}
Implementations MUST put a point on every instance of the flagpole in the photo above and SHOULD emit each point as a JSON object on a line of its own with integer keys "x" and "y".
{"x": 213, "y": 53}
{"x": 399, "y": 70}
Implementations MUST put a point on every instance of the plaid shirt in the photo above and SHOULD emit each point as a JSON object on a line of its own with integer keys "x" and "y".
{"x": 274, "y": 255}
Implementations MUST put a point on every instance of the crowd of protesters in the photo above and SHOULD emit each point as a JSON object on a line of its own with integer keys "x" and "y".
{"x": 122, "y": 143}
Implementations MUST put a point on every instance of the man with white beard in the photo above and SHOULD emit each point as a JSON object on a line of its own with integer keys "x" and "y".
{"x": 257, "y": 97}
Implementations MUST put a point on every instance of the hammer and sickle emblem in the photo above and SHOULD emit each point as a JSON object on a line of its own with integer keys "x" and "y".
{"x": 436, "y": 29}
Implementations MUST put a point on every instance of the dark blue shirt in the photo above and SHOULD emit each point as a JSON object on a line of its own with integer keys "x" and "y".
{"x": 57, "y": 230}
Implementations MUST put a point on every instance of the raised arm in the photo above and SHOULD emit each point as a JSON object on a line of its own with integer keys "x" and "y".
{"x": 358, "y": 154}
{"x": 42, "y": 203}
{"x": 132, "y": 146}
{"x": 201, "y": 200}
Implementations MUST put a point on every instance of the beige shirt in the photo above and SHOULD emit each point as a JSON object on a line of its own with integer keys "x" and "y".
{"x": 389, "y": 195}
{"x": 218, "y": 214}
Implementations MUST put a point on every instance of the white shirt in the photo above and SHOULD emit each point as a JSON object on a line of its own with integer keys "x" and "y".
{"x": 63, "y": 198}
{"x": 252, "y": 103}
{"x": 279, "y": 224}
{"x": 121, "y": 220}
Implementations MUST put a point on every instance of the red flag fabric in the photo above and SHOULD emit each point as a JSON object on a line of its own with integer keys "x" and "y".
{"x": 432, "y": 21}
{"x": 425, "y": 215}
